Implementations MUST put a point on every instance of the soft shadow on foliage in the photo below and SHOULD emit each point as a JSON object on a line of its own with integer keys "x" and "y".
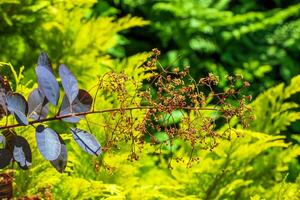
{"x": 259, "y": 163}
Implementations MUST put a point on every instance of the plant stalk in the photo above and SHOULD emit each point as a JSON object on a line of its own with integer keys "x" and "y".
{"x": 59, "y": 117}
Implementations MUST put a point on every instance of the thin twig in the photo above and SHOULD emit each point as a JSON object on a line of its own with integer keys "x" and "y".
{"x": 94, "y": 112}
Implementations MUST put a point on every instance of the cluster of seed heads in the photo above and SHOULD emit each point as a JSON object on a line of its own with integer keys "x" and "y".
{"x": 171, "y": 90}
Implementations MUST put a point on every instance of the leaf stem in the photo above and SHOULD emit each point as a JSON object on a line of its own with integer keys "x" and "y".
{"x": 94, "y": 112}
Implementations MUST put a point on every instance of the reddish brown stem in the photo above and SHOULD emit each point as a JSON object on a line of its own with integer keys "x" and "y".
{"x": 94, "y": 112}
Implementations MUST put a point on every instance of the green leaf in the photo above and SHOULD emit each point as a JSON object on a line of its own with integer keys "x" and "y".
{"x": 161, "y": 136}
{"x": 167, "y": 119}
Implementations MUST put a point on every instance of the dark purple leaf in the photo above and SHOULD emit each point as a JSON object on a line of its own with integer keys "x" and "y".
{"x": 22, "y": 152}
{"x": 17, "y": 105}
{"x": 5, "y": 158}
{"x": 21, "y": 118}
{"x": 3, "y": 107}
{"x": 48, "y": 85}
{"x": 69, "y": 83}
{"x": 4, "y": 90}
{"x": 82, "y": 103}
{"x": 44, "y": 61}
{"x": 5, "y": 84}
{"x": 37, "y": 105}
{"x": 48, "y": 143}
{"x": 9, "y": 139}
{"x": 86, "y": 141}
{"x": 60, "y": 163}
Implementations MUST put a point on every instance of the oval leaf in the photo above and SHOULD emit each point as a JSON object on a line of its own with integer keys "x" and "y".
{"x": 22, "y": 152}
{"x": 21, "y": 118}
{"x": 37, "y": 105}
{"x": 82, "y": 103}
{"x": 86, "y": 141}
{"x": 16, "y": 101}
{"x": 17, "y": 105}
{"x": 60, "y": 163}
{"x": 69, "y": 83}
{"x": 5, "y": 158}
{"x": 44, "y": 61}
{"x": 48, "y": 85}
{"x": 48, "y": 142}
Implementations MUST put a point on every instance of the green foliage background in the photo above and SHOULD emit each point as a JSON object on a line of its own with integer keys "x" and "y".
{"x": 258, "y": 39}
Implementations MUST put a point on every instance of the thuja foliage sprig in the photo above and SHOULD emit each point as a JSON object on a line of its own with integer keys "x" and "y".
{"x": 167, "y": 92}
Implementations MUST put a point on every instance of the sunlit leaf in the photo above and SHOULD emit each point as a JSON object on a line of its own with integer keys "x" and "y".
{"x": 22, "y": 152}
{"x": 69, "y": 83}
{"x": 48, "y": 85}
{"x": 37, "y": 105}
{"x": 161, "y": 136}
{"x": 60, "y": 163}
{"x": 48, "y": 143}
{"x": 82, "y": 103}
{"x": 157, "y": 137}
{"x": 5, "y": 158}
{"x": 167, "y": 119}
{"x": 17, "y": 105}
{"x": 86, "y": 141}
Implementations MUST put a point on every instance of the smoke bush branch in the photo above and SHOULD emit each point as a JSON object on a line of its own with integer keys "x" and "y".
{"x": 60, "y": 117}
{"x": 172, "y": 100}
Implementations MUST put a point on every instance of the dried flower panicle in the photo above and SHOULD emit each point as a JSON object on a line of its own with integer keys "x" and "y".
{"x": 174, "y": 90}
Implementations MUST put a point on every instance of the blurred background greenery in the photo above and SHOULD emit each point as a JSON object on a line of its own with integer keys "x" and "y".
{"x": 258, "y": 39}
